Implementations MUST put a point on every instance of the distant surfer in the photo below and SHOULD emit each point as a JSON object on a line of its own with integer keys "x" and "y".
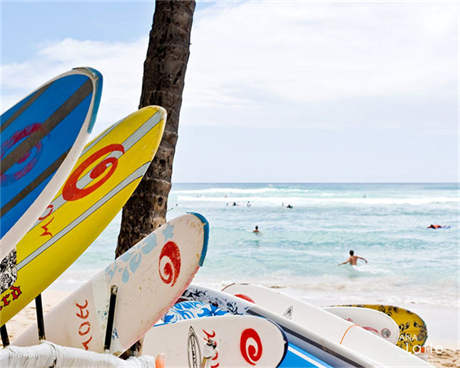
{"x": 436, "y": 227}
{"x": 353, "y": 260}
{"x": 256, "y": 230}
{"x": 289, "y": 206}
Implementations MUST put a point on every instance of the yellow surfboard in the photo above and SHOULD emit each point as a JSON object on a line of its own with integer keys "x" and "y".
{"x": 412, "y": 329}
{"x": 104, "y": 177}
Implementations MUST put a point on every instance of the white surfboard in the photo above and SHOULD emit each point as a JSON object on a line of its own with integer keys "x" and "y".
{"x": 327, "y": 325}
{"x": 223, "y": 341}
{"x": 150, "y": 277}
{"x": 371, "y": 320}
{"x": 301, "y": 339}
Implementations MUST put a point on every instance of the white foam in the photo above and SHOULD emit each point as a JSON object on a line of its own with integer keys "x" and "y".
{"x": 323, "y": 201}
{"x": 238, "y": 190}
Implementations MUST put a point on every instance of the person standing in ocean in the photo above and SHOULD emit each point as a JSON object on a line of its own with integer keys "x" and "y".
{"x": 256, "y": 229}
{"x": 353, "y": 260}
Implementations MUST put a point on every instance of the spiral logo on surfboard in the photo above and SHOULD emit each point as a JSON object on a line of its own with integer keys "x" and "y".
{"x": 71, "y": 192}
{"x": 169, "y": 263}
{"x": 25, "y": 163}
{"x": 251, "y": 346}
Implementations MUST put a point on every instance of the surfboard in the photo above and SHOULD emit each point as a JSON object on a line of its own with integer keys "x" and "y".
{"x": 41, "y": 139}
{"x": 371, "y": 320}
{"x": 327, "y": 325}
{"x": 150, "y": 277}
{"x": 224, "y": 341}
{"x": 412, "y": 329}
{"x": 294, "y": 357}
{"x": 301, "y": 337}
{"x": 104, "y": 177}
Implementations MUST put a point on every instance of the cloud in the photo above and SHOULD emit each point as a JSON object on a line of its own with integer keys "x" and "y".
{"x": 120, "y": 63}
{"x": 281, "y": 63}
{"x": 300, "y": 53}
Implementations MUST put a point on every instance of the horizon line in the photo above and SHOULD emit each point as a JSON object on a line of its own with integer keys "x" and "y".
{"x": 311, "y": 182}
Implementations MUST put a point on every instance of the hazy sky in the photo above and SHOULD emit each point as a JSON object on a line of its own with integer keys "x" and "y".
{"x": 276, "y": 91}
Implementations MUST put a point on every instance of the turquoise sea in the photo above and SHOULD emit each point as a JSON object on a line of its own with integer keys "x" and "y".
{"x": 300, "y": 247}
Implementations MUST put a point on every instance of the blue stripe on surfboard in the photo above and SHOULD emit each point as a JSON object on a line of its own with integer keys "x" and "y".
{"x": 298, "y": 358}
{"x": 205, "y": 235}
{"x": 57, "y": 142}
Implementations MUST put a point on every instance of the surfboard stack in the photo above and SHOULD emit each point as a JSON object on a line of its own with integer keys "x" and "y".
{"x": 57, "y": 197}
{"x": 58, "y": 194}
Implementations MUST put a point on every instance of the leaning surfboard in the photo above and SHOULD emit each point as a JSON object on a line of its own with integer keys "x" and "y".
{"x": 225, "y": 341}
{"x": 41, "y": 139}
{"x": 150, "y": 277}
{"x": 328, "y": 325}
{"x": 103, "y": 179}
{"x": 412, "y": 329}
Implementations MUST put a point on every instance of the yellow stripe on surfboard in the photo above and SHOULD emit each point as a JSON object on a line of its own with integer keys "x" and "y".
{"x": 102, "y": 180}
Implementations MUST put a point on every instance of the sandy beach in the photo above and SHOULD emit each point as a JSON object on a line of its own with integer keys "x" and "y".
{"x": 447, "y": 356}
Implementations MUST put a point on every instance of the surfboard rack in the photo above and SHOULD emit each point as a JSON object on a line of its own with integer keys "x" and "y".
{"x": 4, "y": 334}
{"x": 40, "y": 320}
{"x": 111, "y": 314}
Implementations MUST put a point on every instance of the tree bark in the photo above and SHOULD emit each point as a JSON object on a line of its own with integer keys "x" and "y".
{"x": 163, "y": 83}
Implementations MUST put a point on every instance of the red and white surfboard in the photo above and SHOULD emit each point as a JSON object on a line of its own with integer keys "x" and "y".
{"x": 219, "y": 341}
{"x": 150, "y": 277}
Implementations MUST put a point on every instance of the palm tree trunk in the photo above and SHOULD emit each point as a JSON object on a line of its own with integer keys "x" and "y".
{"x": 163, "y": 83}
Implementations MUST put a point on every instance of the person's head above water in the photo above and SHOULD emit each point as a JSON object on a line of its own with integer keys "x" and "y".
{"x": 257, "y": 227}
{"x": 351, "y": 252}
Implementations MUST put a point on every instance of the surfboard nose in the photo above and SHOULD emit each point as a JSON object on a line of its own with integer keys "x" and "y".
{"x": 98, "y": 82}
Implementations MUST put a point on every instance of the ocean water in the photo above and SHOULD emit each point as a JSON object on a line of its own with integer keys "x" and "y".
{"x": 299, "y": 248}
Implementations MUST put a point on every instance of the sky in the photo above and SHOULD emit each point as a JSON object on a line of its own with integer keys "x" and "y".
{"x": 275, "y": 91}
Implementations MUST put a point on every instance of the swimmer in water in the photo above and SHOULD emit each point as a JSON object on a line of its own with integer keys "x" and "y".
{"x": 435, "y": 226}
{"x": 256, "y": 229}
{"x": 353, "y": 260}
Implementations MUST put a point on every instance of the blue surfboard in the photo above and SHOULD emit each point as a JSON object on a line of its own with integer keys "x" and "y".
{"x": 41, "y": 138}
{"x": 295, "y": 356}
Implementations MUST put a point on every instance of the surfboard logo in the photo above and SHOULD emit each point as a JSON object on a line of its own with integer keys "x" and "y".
{"x": 251, "y": 346}
{"x": 84, "y": 328}
{"x": 169, "y": 263}
{"x": 26, "y": 160}
{"x": 193, "y": 349}
{"x": 210, "y": 352}
{"x": 71, "y": 192}
{"x": 288, "y": 312}
{"x": 15, "y": 293}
